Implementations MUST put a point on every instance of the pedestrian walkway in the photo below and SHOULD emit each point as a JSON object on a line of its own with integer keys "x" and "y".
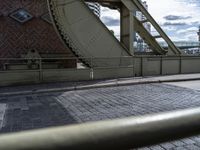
{"x": 36, "y": 110}
{"x": 71, "y": 86}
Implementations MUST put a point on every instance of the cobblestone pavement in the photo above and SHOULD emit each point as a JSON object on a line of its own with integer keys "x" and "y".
{"x": 24, "y": 112}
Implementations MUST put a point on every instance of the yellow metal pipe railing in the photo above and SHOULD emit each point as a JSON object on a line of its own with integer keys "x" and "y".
{"x": 125, "y": 133}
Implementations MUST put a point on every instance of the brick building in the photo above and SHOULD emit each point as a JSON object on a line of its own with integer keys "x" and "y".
{"x": 26, "y": 25}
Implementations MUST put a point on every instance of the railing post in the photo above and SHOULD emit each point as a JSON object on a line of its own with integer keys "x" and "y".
{"x": 142, "y": 71}
{"x": 161, "y": 65}
{"x": 133, "y": 65}
{"x": 117, "y": 67}
{"x": 40, "y": 70}
{"x": 180, "y": 65}
{"x": 91, "y": 69}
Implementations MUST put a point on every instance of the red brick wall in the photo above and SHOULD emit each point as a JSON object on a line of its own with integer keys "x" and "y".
{"x": 17, "y": 38}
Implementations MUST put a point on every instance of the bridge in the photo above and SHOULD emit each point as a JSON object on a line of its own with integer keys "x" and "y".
{"x": 182, "y": 45}
{"x": 95, "y": 46}
{"x": 101, "y": 53}
{"x": 94, "y": 42}
{"x": 104, "y": 57}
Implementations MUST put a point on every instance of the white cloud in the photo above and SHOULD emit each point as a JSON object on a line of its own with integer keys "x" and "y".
{"x": 160, "y": 9}
{"x": 114, "y": 15}
{"x": 188, "y": 30}
{"x": 182, "y": 29}
{"x": 169, "y": 28}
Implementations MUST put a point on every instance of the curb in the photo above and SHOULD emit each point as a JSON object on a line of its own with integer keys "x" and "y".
{"x": 86, "y": 87}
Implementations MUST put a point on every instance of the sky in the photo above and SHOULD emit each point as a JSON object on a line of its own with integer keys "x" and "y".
{"x": 180, "y": 19}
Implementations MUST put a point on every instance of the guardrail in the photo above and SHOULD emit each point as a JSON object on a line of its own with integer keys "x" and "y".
{"x": 37, "y": 70}
{"x": 41, "y": 61}
{"x": 133, "y": 132}
{"x": 40, "y": 70}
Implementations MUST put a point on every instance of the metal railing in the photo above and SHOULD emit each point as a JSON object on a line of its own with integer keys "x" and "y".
{"x": 133, "y": 132}
{"x": 42, "y": 70}
{"x": 38, "y": 70}
{"x": 40, "y": 62}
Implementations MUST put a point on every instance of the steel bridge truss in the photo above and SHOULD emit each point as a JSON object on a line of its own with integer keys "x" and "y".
{"x": 87, "y": 37}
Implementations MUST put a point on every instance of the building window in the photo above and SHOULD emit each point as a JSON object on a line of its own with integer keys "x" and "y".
{"x": 21, "y": 15}
{"x": 46, "y": 17}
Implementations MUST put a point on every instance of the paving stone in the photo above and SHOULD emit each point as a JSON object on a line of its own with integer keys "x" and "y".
{"x": 197, "y": 144}
{"x": 53, "y": 109}
{"x": 157, "y": 147}
{"x": 192, "y": 147}
{"x": 196, "y": 139}
{"x": 178, "y": 143}
{"x": 179, "y": 148}
{"x": 188, "y": 141}
{"x": 167, "y": 146}
{"x": 146, "y": 148}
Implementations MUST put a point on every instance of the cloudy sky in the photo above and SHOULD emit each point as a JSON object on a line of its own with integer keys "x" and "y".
{"x": 180, "y": 19}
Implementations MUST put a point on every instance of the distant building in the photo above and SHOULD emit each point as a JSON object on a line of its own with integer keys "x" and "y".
{"x": 195, "y": 51}
{"x": 146, "y": 24}
{"x": 140, "y": 44}
{"x": 95, "y": 7}
{"x": 198, "y": 33}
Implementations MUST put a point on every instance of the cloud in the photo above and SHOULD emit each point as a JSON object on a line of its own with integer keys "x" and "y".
{"x": 195, "y": 23}
{"x": 105, "y": 10}
{"x": 194, "y": 3}
{"x": 111, "y": 18}
{"x": 169, "y": 28}
{"x": 178, "y": 18}
{"x": 188, "y": 30}
{"x": 109, "y": 21}
{"x": 175, "y": 17}
{"x": 189, "y": 37}
{"x": 174, "y": 24}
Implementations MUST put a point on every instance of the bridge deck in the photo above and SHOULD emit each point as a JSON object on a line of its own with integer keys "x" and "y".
{"x": 40, "y": 110}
